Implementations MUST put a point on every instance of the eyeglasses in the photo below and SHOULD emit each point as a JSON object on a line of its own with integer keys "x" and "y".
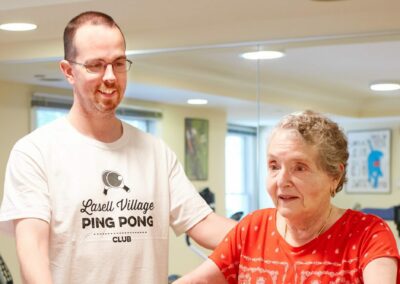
{"x": 99, "y": 66}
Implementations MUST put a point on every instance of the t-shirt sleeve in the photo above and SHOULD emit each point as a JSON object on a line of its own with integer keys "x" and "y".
{"x": 378, "y": 242}
{"x": 25, "y": 189}
{"x": 227, "y": 254}
{"x": 187, "y": 207}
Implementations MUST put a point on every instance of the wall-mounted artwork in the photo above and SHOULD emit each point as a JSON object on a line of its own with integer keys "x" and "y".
{"x": 369, "y": 161}
{"x": 196, "y": 148}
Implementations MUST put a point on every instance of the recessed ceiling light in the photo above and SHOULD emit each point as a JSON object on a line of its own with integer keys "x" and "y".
{"x": 383, "y": 87}
{"x": 17, "y": 27}
{"x": 264, "y": 54}
{"x": 197, "y": 101}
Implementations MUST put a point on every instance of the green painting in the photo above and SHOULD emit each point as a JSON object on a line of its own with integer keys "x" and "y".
{"x": 196, "y": 148}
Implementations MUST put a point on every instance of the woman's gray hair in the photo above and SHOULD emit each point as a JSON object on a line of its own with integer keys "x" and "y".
{"x": 331, "y": 142}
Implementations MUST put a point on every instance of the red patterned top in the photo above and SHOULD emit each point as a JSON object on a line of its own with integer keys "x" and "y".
{"x": 254, "y": 252}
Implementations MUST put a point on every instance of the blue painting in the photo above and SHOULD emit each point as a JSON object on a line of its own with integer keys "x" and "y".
{"x": 369, "y": 161}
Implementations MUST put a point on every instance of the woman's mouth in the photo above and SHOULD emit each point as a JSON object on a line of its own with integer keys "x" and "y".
{"x": 287, "y": 197}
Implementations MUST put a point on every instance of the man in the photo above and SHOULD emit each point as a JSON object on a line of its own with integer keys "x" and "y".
{"x": 91, "y": 198}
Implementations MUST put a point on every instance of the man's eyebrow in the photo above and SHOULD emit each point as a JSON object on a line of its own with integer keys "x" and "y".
{"x": 102, "y": 60}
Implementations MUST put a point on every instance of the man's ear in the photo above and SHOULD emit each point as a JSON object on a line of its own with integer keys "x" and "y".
{"x": 66, "y": 68}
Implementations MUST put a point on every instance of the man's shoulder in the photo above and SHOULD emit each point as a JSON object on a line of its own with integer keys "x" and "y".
{"x": 43, "y": 134}
{"x": 145, "y": 139}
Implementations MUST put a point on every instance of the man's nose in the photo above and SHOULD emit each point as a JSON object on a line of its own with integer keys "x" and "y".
{"x": 109, "y": 74}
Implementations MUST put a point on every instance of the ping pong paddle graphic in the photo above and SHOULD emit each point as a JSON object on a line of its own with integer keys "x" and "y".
{"x": 113, "y": 179}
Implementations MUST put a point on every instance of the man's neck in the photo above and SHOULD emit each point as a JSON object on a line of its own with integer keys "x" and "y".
{"x": 104, "y": 128}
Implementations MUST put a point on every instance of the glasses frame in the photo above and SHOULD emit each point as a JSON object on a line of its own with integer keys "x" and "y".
{"x": 105, "y": 64}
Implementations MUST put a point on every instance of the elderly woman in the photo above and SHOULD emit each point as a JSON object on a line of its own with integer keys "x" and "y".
{"x": 305, "y": 239}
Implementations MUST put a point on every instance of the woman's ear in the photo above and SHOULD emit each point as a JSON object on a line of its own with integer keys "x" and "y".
{"x": 66, "y": 69}
{"x": 340, "y": 174}
{"x": 341, "y": 170}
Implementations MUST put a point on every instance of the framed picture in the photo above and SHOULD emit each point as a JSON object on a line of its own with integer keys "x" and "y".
{"x": 196, "y": 148}
{"x": 369, "y": 161}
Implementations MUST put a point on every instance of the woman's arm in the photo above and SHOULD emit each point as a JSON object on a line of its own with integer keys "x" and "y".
{"x": 207, "y": 273}
{"x": 381, "y": 270}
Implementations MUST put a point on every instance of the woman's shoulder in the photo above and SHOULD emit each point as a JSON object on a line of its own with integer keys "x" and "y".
{"x": 262, "y": 213}
{"x": 357, "y": 221}
{"x": 260, "y": 216}
{"x": 361, "y": 217}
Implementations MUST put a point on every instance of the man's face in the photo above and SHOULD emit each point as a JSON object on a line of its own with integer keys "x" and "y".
{"x": 97, "y": 93}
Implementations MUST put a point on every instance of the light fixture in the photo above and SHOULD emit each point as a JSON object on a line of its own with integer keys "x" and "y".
{"x": 17, "y": 27}
{"x": 197, "y": 101}
{"x": 263, "y": 54}
{"x": 385, "y": 86}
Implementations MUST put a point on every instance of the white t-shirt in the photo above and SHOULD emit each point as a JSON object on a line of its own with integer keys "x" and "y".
{"x": 109, "y": 205}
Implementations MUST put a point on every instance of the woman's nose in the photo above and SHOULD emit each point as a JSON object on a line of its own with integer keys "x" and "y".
{"x": 283, "y": 177}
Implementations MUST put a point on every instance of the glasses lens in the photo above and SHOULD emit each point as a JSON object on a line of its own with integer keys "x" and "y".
{"x": 95, "y": 67}
{"x": 128, "y": 64}
{"x": 120, "y": 65}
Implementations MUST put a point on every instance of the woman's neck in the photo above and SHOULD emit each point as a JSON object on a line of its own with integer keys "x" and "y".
{"x": 298, "y": 233}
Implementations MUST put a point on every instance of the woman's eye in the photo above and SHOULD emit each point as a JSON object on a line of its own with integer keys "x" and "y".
{"x": 300, "y": 168}
{"x": 273, "y": 167}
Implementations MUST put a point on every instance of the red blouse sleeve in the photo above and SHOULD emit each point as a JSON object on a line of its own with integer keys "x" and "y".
{"x": 227, "y": 255}
{"x": 378, "y": 242}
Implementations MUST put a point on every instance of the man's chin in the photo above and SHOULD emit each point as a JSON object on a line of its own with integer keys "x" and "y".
{"x": 107, "y": 105}
{"x": 107, "y": 108}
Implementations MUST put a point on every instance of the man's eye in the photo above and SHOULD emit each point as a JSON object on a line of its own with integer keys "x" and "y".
{"x": 97, "y": 65}
{"x": 119, "y": 63}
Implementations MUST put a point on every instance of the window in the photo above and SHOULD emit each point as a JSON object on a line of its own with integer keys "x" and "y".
{"x": 46, "y": 108}
{"x": 240, "y": 169}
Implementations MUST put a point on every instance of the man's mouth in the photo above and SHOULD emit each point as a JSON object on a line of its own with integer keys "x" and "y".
{"x": 107, "y": 92}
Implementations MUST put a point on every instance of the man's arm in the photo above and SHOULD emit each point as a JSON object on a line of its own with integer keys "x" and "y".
{"x": 381, "y": 270}
{"x": 32, "y": 239}
{"x": 210, "y": 231}
{"x": 207, "y": 273}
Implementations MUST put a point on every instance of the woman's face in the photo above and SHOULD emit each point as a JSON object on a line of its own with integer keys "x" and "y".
{"x": 295, "y": 181}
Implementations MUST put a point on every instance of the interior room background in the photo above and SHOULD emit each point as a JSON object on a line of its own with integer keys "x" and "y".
{"x": 333, "y": 52}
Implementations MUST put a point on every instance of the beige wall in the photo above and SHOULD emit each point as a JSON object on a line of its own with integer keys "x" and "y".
{"x": 15, "y": 123}
{"x": 181, "y": 259}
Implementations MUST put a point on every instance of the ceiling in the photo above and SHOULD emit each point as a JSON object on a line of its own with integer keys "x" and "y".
{"x": 190, "y": 49}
